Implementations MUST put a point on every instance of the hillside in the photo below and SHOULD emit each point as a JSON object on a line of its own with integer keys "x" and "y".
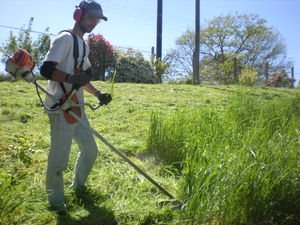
{"x": 118, "y": 194}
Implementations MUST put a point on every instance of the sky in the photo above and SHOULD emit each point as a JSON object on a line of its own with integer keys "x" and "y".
{"x": 132, "y": 23}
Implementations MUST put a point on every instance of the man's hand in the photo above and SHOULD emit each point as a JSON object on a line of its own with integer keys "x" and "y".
{"x": 104, "y": 98}
{"x": 80, "y": 79}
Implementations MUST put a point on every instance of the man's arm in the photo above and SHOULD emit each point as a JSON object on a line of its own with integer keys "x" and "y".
{"x": 90, "y": 88}
{"x": 104, "y": 98}
{"x": 49, "y": 71}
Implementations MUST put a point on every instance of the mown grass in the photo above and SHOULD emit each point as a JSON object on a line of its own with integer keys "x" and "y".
{"x": 117, "y": 193}
{"x": 240, "y": 164}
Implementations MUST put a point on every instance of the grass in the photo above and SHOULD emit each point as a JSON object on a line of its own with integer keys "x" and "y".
{"x": 117, "y": 193}
{"x": 240, "y": 164}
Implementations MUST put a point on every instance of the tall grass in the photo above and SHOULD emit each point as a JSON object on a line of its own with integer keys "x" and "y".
{"x": 18, "y": 198}
{"x": 240, "y": 163}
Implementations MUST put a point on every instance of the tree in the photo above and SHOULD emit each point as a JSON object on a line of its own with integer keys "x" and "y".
{"x": 242, "y": 37}
{"x": 181, "y": 58}
{"x": 41, "y": 47}
{"x": 102, "y": 55}
{"x": 37, "y": 48}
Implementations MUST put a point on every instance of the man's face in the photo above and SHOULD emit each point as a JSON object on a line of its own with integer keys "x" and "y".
{"x": 88, "y": 23}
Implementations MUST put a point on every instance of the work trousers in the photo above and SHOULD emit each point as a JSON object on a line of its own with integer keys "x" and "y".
{"x": 62, "y": 134}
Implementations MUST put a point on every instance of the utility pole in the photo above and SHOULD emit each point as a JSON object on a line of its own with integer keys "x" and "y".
{"x": 152, "y": 55}
{"x": 267, "y": 70}
{"x": 293, "y": 77}
{"x": 235, "y": 70}
{"x": 196, "y": 55}
{"x": 159, "y": 29}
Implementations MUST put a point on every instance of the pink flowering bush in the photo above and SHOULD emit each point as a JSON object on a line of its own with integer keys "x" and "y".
{"x": 102, "y": 55}
{"x": 279, "y": 79}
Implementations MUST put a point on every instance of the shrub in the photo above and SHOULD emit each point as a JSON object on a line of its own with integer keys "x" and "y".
{"x": 132, "y": 67}
{"x": 248, "y": 77}
{"x": 279, "y": 79}
{"x": 160, "y": 68}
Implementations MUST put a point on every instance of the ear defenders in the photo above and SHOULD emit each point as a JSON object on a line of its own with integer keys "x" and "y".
{"x": 89, "y": 6}
{"x": 80, "y": 10}
{"x": 77, "y": 14}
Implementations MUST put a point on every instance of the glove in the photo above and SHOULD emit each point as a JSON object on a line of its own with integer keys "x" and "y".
{"x": 104, "y": 98}
{"x": 80, "y": 79}
{"x": 92, "y": 74}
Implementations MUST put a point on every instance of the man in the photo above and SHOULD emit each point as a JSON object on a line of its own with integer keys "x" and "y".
{"x": 65, "y": 70}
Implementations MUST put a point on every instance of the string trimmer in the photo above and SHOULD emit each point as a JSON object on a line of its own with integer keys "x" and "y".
{"x": 21, "y": 66}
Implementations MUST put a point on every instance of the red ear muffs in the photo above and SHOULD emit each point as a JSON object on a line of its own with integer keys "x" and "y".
{"x": 77, "y": 14}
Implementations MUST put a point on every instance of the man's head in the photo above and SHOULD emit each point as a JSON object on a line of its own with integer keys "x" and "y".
{"x": 88, "y": 14}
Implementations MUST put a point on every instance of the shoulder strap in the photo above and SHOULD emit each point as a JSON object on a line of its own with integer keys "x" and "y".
{"x": 83, "y": 55}
{"x": 75, "y": 53}
{"x": 75, "y": 44}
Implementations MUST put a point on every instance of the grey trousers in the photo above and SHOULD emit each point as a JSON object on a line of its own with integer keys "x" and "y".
{"x": 62, "y": 134}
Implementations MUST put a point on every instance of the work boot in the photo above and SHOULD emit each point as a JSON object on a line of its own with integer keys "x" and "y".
{"x": 60, "y": 210}
{"x": 81, "y": 191}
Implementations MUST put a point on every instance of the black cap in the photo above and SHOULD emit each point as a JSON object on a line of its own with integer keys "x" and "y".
{"x": 93, "y": 8}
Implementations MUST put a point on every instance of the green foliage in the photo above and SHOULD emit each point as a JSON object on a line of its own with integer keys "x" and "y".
{"x": 40, "y": 47}
{"x": 241, "y": 162}
{"x": 160, "y": 68}
{"x": 10, "y": 47}
{"x": 37, "y": 48}
{"x": 132, "y": 67}
{"x": 248, "y": 77}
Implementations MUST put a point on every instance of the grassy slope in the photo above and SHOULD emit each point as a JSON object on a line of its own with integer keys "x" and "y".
{"x": 118, "y": 194}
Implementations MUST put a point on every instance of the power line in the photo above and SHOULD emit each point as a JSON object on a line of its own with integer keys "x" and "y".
{"x": 23, "y": 29}
{"x": 39, "y": 32}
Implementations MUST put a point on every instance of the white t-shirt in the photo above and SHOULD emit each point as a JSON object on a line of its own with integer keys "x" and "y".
{"x": 61, "y": 52}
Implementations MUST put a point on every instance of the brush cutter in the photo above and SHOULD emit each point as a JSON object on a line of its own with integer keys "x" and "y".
{"x": 21, "y": 66}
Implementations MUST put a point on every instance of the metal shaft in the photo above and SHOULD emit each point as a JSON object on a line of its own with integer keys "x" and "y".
{"x": 104, "y": 140}
{"x": 122, "y": 155}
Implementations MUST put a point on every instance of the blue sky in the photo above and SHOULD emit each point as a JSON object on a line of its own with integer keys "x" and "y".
{"x": 132, "y": 23}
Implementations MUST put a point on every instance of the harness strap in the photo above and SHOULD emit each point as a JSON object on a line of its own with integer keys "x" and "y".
{"x": 84, "y": 51}
{"x": 76, "y": 49}
{"x": 63, "y": 87}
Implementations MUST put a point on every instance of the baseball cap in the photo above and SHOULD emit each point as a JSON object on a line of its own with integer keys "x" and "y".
{"x": 93, "y": 8}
